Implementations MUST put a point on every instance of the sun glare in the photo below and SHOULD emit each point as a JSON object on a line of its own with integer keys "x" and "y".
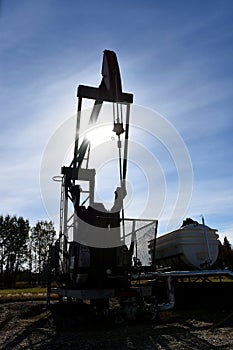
{"x": 99, "y": 135}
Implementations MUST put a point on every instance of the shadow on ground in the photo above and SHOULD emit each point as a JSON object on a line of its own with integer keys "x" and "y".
{"x": 28, "y": 325}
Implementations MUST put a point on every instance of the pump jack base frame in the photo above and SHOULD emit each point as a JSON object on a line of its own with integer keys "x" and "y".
{"x": 85, "y": 294}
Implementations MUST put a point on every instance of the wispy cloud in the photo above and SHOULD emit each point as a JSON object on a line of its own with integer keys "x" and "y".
{"x": 175, "y": 60}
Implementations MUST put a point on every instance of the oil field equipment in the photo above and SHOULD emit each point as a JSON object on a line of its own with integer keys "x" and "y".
{"x": 93, "y": 257}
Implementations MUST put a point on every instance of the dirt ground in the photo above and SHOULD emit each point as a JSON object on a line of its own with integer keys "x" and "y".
{"x": 29, "y": 325}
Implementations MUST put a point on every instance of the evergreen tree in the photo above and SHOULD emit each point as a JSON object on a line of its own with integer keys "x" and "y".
{"x": 226, "y": 244}
{"x": 227, "y": 254}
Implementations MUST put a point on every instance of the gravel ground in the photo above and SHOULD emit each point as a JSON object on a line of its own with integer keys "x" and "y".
{"x": 28, "y": 325}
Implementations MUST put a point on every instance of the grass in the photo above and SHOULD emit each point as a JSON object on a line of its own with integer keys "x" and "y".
{"x": 22, "y": 293}
{"x": 223, "y": 279}
{"x": 34, "y": 290}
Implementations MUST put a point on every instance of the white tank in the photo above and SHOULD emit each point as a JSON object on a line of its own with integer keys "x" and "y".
{"x": 193, "y": 246}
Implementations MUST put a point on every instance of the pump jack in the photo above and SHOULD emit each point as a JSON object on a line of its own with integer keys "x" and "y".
{"x": 91, "y": 259}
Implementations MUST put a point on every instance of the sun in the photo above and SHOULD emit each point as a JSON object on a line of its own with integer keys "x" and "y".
{"x": 99, "y": 135}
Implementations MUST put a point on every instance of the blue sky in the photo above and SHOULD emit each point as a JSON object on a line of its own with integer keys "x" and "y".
{"x": 175, "y": 56}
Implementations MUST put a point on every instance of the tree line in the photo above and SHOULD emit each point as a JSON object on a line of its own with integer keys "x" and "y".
{"x": 23, "y": 249}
